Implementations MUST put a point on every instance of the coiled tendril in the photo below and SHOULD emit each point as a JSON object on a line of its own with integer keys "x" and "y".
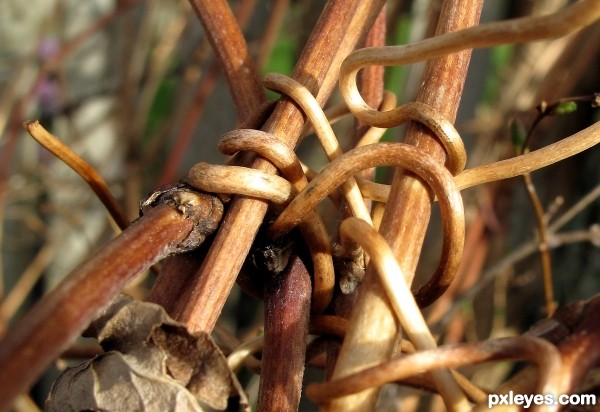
{"x": 300, "y": 197}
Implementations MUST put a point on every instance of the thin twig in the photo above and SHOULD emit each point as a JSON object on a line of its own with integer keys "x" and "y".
{"x": 27, "y": 281}
{"x": 574, "y": 210}
{"x": 543, "y": 243}
{"x": 521, "y": 252}
{"x": 81, "y": 167}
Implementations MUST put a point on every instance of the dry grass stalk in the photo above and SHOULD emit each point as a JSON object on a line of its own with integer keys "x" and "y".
{"x": 82, "y": 168}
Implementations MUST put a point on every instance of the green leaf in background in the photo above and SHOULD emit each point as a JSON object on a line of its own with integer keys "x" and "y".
{"x": 517, "y": 134}
{"x": 565, "y": 108}
{"x": 395, "y": 76}
{"x": 500, "y": 58}
{"x": 282, "y": 58}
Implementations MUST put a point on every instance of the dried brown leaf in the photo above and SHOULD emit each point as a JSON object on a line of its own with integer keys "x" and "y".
{"x": 151, "y": 364}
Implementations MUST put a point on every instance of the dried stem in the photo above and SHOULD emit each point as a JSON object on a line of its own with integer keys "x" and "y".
{"x": 232, "y": 52}
{"x": 526, "y": 29}
{"x": 49, "y": 328}
{"x": 81, "y": 167}
{"x": 204, "y": 89}
{"x": 327, "y": 138}
{"x": 544, "y": 250}
{"x": 27, "y": 281}
{"x": 508, "y": 168}
{"x": 544, "y": 110}
{"x": 371, "y": 81}
{"x": 312, "y": 228}
{"x": 542, "y": 353}
{"x": 229, "y": 45}
{"x": 403, "y": 302}
{"x": 521, "y": 252}
{"x": 372, "y": 328}
{"x": 287, "y": 309}
{"x": 336, "y": 33}
{"x": 531, "y": 161}
{"x": 412, "y": 159}
{"x": 574, "y": 210}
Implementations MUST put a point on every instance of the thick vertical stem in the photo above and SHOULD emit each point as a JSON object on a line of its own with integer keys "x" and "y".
{"x": 371, "y": 88}
{"x": 287, "y": 310}
{"x": 373, "y": 329}
{"x": 371, "y": 80}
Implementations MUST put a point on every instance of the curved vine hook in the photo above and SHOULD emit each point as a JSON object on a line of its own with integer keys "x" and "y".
{"x": 526, "y": 29}
{"x": 391, "y": 154}
{"x": 309, "y": 105}
{"x": 401, "y": 300}
{"x": 312, "y": 228}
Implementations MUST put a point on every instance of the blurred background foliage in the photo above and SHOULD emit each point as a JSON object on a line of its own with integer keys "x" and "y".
{"x": 133, "y": 87}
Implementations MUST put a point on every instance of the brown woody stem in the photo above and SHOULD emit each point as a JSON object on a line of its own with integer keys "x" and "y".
{"x": 406, "y": 215}
{"x": 232, "y": 53}
{"x": 228, "y": 43}
{"x": 287, "y": 309}
{"x": 50, "y": 327}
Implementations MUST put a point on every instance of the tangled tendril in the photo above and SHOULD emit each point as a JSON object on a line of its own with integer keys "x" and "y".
{"x": 299, "y": 197}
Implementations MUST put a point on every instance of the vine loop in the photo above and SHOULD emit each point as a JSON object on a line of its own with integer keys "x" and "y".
{"x": 413, "y": 159}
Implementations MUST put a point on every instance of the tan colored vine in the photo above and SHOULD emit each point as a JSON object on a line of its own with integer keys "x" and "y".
{"x": 402, "y": 301}
{"x": 343, "y": 167}
{"x": 543, "y": 354}
{"x": 81, "y": 167}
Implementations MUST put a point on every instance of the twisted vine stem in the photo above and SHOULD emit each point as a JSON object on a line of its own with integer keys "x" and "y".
{"x": 340, "y": 171}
